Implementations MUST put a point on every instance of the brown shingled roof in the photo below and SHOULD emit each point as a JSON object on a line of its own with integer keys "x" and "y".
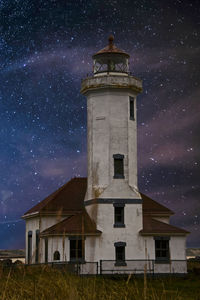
{"x": 152, "y": 207}
{"x": 154, "y": 227}
{"x": 68, "y": 198}
{"x": 79, "y": 224}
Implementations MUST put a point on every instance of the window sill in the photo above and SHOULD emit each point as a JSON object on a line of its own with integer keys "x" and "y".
{"x": 118, "y": 176}
{"x": 162, "y": 261}
{"x": 119, "y": 225}
{"x": 120, "y": 263}
{"x": 132, "y": 118}
{"x": 77, "y": 261}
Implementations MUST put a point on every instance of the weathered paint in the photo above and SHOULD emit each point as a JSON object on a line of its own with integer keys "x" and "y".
{"x": 111, "y": 131}
{"x": 38, "y": 223}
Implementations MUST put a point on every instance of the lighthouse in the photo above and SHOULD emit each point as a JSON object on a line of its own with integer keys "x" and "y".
{"x": 102, "y": 223}
{"x": 112, "y": 198}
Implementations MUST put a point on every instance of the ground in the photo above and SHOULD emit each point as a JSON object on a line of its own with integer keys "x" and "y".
{"x": 42, "y": 282}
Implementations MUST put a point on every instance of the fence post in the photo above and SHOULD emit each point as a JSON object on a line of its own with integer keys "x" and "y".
{"x": 153, "y": 263}
{"x": 100, "y": 267}
{"x": 97, "y": 268}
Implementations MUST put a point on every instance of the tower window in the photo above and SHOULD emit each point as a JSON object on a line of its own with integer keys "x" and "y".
{"x": 118, "y": 165}
{"x": 119, "y": 215}
{"x": 77, "y": 249}
{"x": 56, "y": 255}
{"x": 162, "y": 248}
{"x": 37, "y": 241}
{"x": 131, "y": 108}
{"x": 29, "y": 247}
{"x": 120, "y": 254}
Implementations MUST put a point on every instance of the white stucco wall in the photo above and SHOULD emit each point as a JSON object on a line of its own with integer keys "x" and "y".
{"x": 36, "y": 223}
{"x": 57, "y": 243}
{"x": 103, "y": 246}
{"x": 110, "y": 131}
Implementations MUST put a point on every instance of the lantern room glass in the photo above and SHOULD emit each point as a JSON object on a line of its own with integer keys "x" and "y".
{"x": 111, "y": 63}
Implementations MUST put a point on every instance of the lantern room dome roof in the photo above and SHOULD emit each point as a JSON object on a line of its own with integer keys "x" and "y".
{"x": 110, "y": 49}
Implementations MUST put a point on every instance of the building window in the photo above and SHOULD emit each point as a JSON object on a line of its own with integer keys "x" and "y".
{"x": 56, "y": 255}
{"x": 162, "y": 248}
{"x": 118, "y": 165}
{"x": 46, "y": 249}
{"x": 37, "y": 241}
{"x": 131, "y": 108}
{"x": 77, "y": 249}
{"x": 119, "y": 215}
{"x": 120, "y": 254}
{"x": 29, "y": 247}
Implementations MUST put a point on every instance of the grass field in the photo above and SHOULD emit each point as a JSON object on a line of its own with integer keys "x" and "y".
{"x": 39, "y": 283}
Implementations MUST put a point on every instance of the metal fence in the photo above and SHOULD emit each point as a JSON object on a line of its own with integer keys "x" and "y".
{"x": 111, "y": 267}
{"x": 85, "y": 268}
{"x": 143, "y": 266}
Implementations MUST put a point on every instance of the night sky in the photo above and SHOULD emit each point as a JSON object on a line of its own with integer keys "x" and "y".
{"x": 45, "y": 51}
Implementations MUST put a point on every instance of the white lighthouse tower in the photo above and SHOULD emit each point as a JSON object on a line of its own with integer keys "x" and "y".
{"x": 112, "y": 199}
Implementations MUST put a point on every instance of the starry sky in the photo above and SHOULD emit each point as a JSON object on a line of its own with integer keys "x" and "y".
{"x": 45, "y": 51}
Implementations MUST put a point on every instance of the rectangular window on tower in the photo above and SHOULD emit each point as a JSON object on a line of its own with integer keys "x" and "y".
{"x": 162, "y": 249}
{"x": 118, "y": 166}
{"x": 120, "y": 254}
{"x": 131, "y": 108}
{"x": 119, "y": 215}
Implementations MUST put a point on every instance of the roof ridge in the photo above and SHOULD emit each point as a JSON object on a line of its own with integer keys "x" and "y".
{"x": 156, "y": 202}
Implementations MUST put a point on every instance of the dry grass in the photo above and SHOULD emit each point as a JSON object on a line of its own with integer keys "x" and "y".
{"x": 45, "y": 283}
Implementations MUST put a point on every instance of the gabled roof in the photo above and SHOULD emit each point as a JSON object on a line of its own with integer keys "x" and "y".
{"x": 68, "y": 198}
{"x": 154, "y": 227}
{"x": 154, "y": 208}
{"x": 79, "y": 224}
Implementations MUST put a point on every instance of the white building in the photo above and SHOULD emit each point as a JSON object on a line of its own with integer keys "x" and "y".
{"x": 104, "y": 219}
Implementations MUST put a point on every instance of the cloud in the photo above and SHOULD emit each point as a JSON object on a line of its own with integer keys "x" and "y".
{"x": 162, "y": 138}
{"x": 76, "y": 61}
{"x": 62, "y": 166}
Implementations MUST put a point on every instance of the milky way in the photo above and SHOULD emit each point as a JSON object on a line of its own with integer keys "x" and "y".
{"x": 45, "y": 51}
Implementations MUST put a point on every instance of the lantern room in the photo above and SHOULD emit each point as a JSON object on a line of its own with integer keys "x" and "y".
{"x": 111, "y": 60}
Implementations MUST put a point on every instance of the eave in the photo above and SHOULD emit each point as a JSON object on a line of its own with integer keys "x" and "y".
{"x": 70, "y": 234}
{"x": 164, "y": 234}
{"x": 50, "y": 213}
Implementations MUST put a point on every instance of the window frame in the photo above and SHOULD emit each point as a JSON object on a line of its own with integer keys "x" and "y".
{"x": 131, "y": 108}
{"x": 118, "y": 224}
{"x": 30, "y": 245}
{"x": 119, "y": 158}
{"x": 120, "y": 262}
{"x": 161, "y": 249}
{"x": 37, "y": 243}
{"x": 56, "y": 255}
{"x": 46, "y": 250}
{"x": 79, "y": 259}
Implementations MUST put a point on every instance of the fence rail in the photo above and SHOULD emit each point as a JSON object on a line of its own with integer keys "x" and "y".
{"x": 141, "y": 266}
{"x": 112, "y": 267}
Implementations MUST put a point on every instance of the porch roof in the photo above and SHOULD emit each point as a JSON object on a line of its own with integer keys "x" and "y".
{"x": 79, "y": 224}
{"x": 155, "y": 227}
